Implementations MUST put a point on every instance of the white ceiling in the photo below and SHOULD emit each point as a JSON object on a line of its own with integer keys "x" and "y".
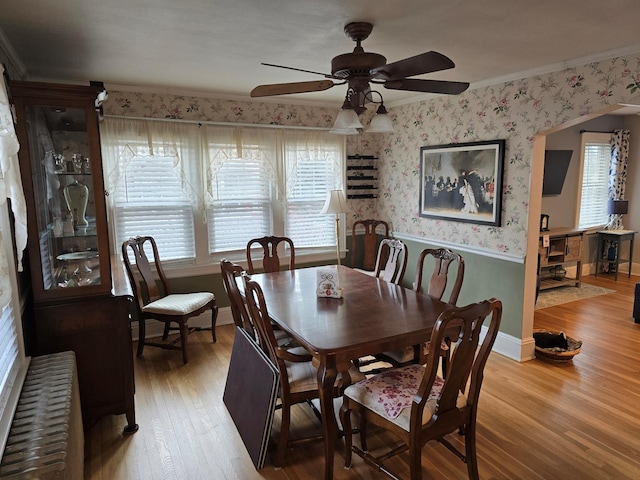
{"x": 214, "y": 47}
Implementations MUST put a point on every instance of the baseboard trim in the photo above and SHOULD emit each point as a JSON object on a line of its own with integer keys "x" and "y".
{"x": 514, "y": 348}
{"x": 155, "y": 329}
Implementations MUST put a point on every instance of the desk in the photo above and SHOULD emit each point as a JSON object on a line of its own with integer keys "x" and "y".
{"x": 373, "y": 316}
{"x": 617, "y": 237}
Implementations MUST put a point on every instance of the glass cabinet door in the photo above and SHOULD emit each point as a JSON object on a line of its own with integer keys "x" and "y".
{"x": 65, "y": 197}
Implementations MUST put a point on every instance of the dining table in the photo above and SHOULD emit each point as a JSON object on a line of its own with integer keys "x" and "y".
{"x": 371, "y": 317}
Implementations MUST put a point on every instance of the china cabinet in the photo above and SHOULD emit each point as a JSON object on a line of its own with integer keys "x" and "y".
{"x": 78, "y": 303}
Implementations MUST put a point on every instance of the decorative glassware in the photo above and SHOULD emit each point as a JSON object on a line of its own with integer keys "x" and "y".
{"x": 76, "y": 195}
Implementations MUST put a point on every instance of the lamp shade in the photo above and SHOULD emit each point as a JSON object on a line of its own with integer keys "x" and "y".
{"x": 335, "y": 203}
{"x": 344, "y": 131}
{"x": 347, "y": 119}
{"x": 381, "y": 123}
{"x": 618, "y": 207}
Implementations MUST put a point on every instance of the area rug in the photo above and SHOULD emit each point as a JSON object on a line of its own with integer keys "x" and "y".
{"x": 558, "y": 296}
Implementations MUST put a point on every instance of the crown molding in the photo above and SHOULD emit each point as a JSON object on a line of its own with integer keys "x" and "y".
{"x": 5, "y": 45}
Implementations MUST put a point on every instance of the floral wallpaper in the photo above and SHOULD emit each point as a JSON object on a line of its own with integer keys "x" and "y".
{"x": 514, "y": 111}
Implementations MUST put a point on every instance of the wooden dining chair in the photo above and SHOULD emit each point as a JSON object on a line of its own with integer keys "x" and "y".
{"x": 270, "y": 259}
{"x": 154, "y": 300}
{"x": 372, "y": 228}
{"x": 419, "y": 406}
{"x": 230, "y": 272}
{"x": 391, "y": 261}
{"x": 443, "y": 259}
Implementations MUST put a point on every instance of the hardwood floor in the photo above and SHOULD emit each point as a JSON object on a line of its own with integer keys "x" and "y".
{"x": 536, "y": 420}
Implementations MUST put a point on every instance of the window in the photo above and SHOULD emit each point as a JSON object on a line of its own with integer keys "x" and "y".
{"x": 12, "y": 359}
{"x": 204, "y": 190}
{"x": 596, "y": 157}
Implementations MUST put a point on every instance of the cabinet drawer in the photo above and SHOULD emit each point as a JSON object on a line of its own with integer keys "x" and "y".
{"x": 574, "y": 248}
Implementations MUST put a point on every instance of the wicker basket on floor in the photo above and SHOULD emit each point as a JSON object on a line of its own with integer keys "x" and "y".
{"x": 562, "y": 355}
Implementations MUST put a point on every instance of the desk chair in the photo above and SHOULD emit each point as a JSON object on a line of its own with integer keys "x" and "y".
{"x": 270, "y": 259}
{"x": 369, "y": 242}
{"x": 416, "y": 404}
{"x": 154, "y": 301}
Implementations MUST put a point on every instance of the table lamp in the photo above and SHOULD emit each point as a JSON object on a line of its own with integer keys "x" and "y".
{"x": 335, "y": 204}
{"x": 617, "y": 208}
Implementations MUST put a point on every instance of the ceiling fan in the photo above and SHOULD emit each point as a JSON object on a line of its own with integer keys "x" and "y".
{"x": 359, "y": 69}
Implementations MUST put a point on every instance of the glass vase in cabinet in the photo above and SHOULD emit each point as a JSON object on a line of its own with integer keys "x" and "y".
{"x": 60, "y": 162}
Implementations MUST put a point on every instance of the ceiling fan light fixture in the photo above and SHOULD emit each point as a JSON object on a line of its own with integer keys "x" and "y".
{"x": 347, "y": 119}
{"x": 381, "y": 122}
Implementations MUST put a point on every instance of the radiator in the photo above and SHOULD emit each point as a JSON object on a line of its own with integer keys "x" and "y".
{"x": 46, "y": 439}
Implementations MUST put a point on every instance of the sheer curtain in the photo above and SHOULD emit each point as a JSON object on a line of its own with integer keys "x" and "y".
{"x": 313, "y": 165}
{"x": 618, "y": 172}
{"x": 152, "y": 170}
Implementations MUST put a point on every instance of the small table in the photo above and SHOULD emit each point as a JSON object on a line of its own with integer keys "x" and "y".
{"x": 372, "y": 317}
{"x": 617, "y": 237}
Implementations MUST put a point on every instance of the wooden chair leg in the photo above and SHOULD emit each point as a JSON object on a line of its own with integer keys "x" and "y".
{"x": 141, "y": 335}
{"x": 470, "y": 450}
{"x": 165, "y": 333}
{"x": 214, "y": 318}
{"x": 283, "y": 441}
{"x": 345, "y": 419}
{"x": 415, "y": 460}
{"x": 184, "y": 333}
{"x": 363, "y": 433}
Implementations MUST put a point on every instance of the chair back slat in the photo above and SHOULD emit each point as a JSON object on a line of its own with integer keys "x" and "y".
{"x": 369, "y": 241}
{"x": 141, "y": 273}
{"x": 391, "y": 261}
{"x": 231, "y": 271}
{"x": 443, "y": 260}
{"x": 270, "y": 259}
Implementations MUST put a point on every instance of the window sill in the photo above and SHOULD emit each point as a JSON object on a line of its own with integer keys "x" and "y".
{"x": 180, "y": 269}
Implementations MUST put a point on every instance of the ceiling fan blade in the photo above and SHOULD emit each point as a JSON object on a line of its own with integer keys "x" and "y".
{"x": 298, "y": 70}
{"x": 428, "y": 86}
{"x": 424, "y": 63}
{"x": 294, "y": 87}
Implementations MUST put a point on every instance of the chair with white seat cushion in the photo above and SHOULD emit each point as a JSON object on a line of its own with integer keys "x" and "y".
{"x": 155, "y": 301}
{"x": 416, "y": 404}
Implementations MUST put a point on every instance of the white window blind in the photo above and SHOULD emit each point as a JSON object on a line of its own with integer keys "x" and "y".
{"x": 242, "y": 206}
{"x": 150, "y": 201}
{"x": 596, "y": 151}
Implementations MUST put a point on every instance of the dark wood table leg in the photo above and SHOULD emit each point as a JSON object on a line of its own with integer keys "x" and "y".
{"x": 327, "y": 373}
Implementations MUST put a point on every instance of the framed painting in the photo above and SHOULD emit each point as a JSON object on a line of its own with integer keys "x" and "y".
{"x": 462, "y": 182}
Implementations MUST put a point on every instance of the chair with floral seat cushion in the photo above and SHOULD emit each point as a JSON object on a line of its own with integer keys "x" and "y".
{"x": 298, "y": 376}
{"x": 441, "y": 259}
{"x": 270, "y": 258}
{"x": 155, "y": 301}
{"x": 416, "y": 404}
